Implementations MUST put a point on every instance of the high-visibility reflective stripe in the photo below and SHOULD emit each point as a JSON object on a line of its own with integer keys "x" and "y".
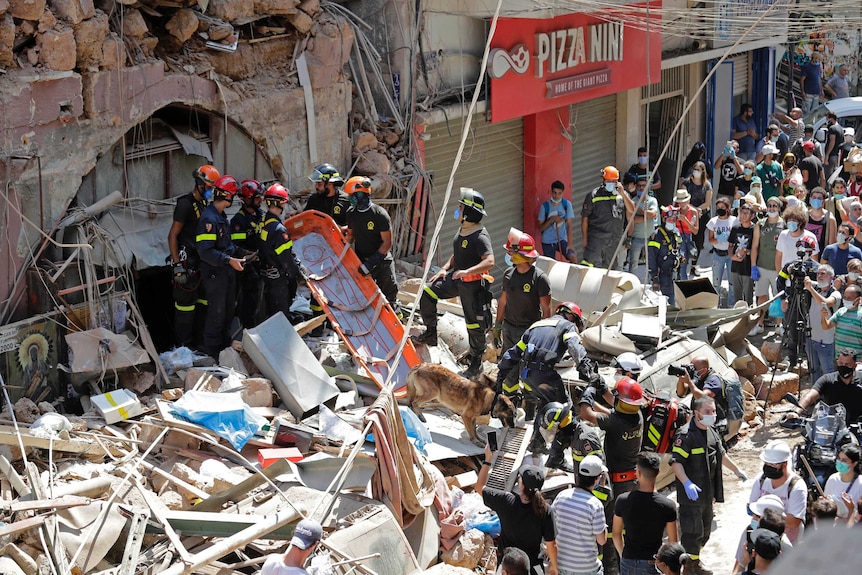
{"x": 282, "y": 247}
{"x": 430, "y": 292}
{"x": 600, "y": 496}
{"x": 239, "y": 236}
{"x": 203, "y": 302}
{"x": 521, "y": 345}
{"x": 511, "y": 388}
{"x": 264, "y": 234}
{"x": 654, "y": 244}
{"x": 694, "y": 557}
{"x": 604, "y": 198}
{"x": 586, "y": 263}
{"x": 698, "y": 451}
{"x": 567, "y": 420}
{"x": 569, "y": 335}
{"x": 653, "y": 434}
{"x": 315, "y": 307}
{"x": 473, "y": 326}
{"x": 549, "y": 322}
{"x": 681, "y": 451}
{"x": 184, "y": 307}
{"x": 783, "y": 275}
{"x": 526, "y": 386}
{"x": 204, "y": 237}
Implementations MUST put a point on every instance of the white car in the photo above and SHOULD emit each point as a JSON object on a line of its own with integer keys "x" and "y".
{"x": 848, "y": 110}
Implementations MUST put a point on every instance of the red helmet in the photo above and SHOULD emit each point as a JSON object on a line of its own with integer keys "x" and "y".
{"x": 276, "y": 193}
{"x": 806, "y": 243}
{"x": 522, "y": 243}
{"x": 206, "y": 175}
{"x": 570, "y": 307}
{"x": 225, "y": 188}
{"x": 610, "y": 173}
{"x": 357, "y": 184}
{"x": 629, "y": 391}
{"x": 248, "y": 189}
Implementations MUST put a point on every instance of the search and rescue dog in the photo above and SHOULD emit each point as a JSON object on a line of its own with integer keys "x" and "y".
{"x": 468, "y": 398}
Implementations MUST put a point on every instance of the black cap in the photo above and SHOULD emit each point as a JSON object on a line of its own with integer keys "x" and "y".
{"x": 532, "y": 477}
{"x": 767, "y": 543}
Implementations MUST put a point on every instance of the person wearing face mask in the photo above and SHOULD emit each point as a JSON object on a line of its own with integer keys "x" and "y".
{"x": 841, "y": 201}
{"x": 643, "y": 226}
{"x": 328, "y": 197}
{"x": 847, "y": 321}
{"x": 688, "y": 224}
{"x": 838, "y": 254}
{"x": 842, "y": 386}
{"x": 774, "y": 137}
{"x": 795, "y": 218}
{"x": 777, "y": 477}
{"x": 811, "y": 167}
{"x": 729, "y": 168}
{"x": 770, "y": 172}
{"x": 556, "y": 222}
{"x": 697, "y": 459}
{"x": 719, "y": 235}
{"x": 821, "y": 222}
{"x": 665, "y": 254}
{"x": 855, "y": 187}
{"x": 744, "y": 244}
{"x": 744, "y": 131}
{"x": 821, "y": 342}
{"x": 742, "y": 183}
{"x": 853, "y": 275}
{"x": 844, "y": 486}
{"x": 807, "y": 265}
{"x": 189, "y": 310}
{"x": 764, "y": 273}
{"x": 700, "y": 192}
{"x": 708, "y": 383}
{"x": 644, "y": 168}
{"x": 811, "y": 82}
{"x": 579, "y": 521}
{"x": 766, "y": 513}
{"x": 602, "y": 217}
{"x": 280, "y": 269}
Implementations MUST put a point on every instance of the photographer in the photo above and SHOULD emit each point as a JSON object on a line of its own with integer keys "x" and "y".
{"x": 702, "y": 381}
{"x": 821, "y": 343}
{"x": 797, "y": 301}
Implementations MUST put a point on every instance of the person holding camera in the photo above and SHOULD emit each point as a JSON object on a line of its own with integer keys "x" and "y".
{"x": 702, "y": 381}
{"x": 728, "y": 167}
{"x": 821, "y": 343}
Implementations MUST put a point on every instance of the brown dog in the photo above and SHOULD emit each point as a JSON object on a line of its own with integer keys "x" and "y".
{"x": 468, "y": 398}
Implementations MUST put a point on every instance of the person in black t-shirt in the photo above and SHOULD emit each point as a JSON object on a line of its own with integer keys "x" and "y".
{"x": 643, "y": 515}
{"x": 843, "y": 386}
{"x": 744, "y": 243}
{"x": 328, "y": 197}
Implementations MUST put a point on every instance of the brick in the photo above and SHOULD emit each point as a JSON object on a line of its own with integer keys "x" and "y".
{"x": 134, "y": 24}
{"x": 230, "y": 10}
{"x": 57, "y": 49}
{"x": 113, "y": 53}
{"x": 182, "y": 25}
{"x": 275, "y": 7}
{"x": 90, "y": 38}
{"x": 27, "y": 9}
{"x": 73, "y": 11}
{"x": 7, "y": 41}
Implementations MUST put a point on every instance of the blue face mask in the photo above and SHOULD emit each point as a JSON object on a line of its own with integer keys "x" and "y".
{"x": 508, "y": 259}
{"x": 792, "y": 226}
{"x": 838, "y": 196}
{"x": 611, "y": 186}
{"x": 816, "y": 203}
{"x": 670, "y": 226}
{"x": 642, "y": 160}
{"x": 208, "y": 194}
{"x": 747, "y": 171}
{"x": 755, "y": 523}
{"x": 457, "y": 214}
{"x": 842, "y": 467}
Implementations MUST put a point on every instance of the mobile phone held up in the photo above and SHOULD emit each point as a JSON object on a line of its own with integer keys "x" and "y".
{"x": 492, "y": 440}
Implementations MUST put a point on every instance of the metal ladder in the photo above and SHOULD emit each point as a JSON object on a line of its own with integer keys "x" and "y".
{"x": 513, "y": 443}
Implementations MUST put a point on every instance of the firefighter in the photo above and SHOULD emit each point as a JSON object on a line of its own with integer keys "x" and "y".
{"x": 189, "y": 300}
{"x": 462, "y": 275}
{"x": 602, "y": 219}
{"x": 558, "y": 425}
{"x": 369, "y": 229}
{"x": 328, "y": 197}
{"x": 665, "y": 254}
{"x": 280, "y": 268}
{"x": 218, "y": 265}
{"x": 244, "y": 230}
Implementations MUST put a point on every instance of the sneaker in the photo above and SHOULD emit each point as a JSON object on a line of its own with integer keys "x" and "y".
{"x": 756, "y": 330}
{"x": 780, "y": 330}
{"x": 428, "y": 337}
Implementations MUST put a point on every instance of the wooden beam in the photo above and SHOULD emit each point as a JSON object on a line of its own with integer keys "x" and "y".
{"x": 22, "y": 526}
{"x": 9, "y": 437}
{"x": 45, "y": 504}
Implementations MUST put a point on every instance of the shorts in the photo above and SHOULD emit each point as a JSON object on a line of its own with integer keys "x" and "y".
{"x": 767, "y": 279}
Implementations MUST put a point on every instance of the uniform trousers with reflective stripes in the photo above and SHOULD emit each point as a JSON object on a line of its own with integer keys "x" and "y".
{"x": 600, "y": 249}
{"x": 473, "y": 301}
{"x": 695, "y": 526}
{"x": 512, "y": 335}
{"x": 189, "y": 310}
{"x": 220, "y": 286}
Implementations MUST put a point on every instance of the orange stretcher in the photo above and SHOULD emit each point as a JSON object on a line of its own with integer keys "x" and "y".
{"x": 358, "y": 311}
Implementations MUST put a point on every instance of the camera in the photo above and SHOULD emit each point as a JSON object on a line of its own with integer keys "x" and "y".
{"x": 680, "y": 370}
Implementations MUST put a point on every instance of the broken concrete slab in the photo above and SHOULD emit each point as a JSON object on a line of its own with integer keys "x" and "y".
{"x": 95, "y": 351}
{"x": 230, "y": 10}
{"x": 182, "y": 25}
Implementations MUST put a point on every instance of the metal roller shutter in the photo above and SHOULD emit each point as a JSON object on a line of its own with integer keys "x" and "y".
{"x": 740, "y": 74}
{"x": 594, "y": 146}
{"x": 493, "y": 164}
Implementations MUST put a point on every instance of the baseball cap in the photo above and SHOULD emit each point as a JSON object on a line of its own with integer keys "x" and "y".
{"x": 307, "y": 533}
{"x": 532, "y": 477}
{"x": 591, "y": 466}
{"x": 775, "y": 452}
{"x": 767, "y": 543}
{"x": 769, "y": 149}
{"x": 808, "y": 145}
{"x": 769, "y": 501}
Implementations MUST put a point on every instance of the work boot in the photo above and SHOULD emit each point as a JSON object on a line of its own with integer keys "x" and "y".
{"x": 428, "y": 337}
{"x": 537, "y": 445}
{"x": 474, "y": 368}
{"x": 530, "y": 405}
{"x": 697, "y": 568}
{"x": 557, "y": 460}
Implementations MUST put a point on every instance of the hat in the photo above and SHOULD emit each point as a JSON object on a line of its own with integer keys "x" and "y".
{"x": 767, "y": 543}
{"x": 776, "y": 451}
{"x": 750, "y": 199}
{"x": 532, "y": 477}
{"x": 791, "y": 201}
{"x": 769, "y": 149}
{"x": 307, "y": 533}
{"x": 591, "y": 466}
{"x": 849, "y": 132}
{"x": 682, "y": 196}
{"x": 807, "y": 145}
{"x": 756, "y": 180}
{"x": 769, "y": 501}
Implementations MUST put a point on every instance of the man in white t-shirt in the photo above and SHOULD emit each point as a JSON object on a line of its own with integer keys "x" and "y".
{"x": 306, "y": 538}
{"x": 779, "y": 478}
{"x": 795, "y": 219}
{"x": 719, "y": 235}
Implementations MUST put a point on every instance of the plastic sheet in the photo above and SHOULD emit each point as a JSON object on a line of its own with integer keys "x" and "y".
{"x": 416, "y": 430}
{"x": 224, "y": 413}
{"x": 176, "y": 359}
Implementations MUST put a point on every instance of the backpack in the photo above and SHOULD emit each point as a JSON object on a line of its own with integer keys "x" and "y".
{"x": 663, "y": 415}
{"x": 731, "y": 389}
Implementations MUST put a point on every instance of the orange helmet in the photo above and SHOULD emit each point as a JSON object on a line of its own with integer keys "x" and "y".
{"x": 248, "y": 189}
{"x": 610, "y": 173}
{"x": 225, "y": 188}
{"x": 522, "y": 243}
{"x": 629, "y": 391}
{"x": 206, "y": 175}
{"x": 357, "y": 184}
{"x": 276, "y": 194}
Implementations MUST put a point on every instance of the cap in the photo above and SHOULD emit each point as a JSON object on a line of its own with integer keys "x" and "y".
{"x": 769, "y": 149}
{"x": 769, "y": 501}
{"x": 307, "y": 533}
{"x": 767, "y": 543}
{"x": 775, "y": 452}
{"x": 756, "y": 180}
{"x": 532, "y": 477}
{"x": 808, "y": 145}
{"x": 591, "y": 466}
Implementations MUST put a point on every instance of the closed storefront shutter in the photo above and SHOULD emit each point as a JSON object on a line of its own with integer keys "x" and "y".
{"x": 594, "y": 144}
{"x": 740, "y": 75}
{"x": 493, "y": 164}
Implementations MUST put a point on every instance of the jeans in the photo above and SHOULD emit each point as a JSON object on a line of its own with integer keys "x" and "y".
{"x": 599, "y": 571}
{"x": 637, "y": 248}
{"x": 550, "y": 250}
{"x": 743, "y": 287}
{"x": 822, "y": 357}
{"x": 721, "y": 271}
{"x": 686, "y": 248}
{"x": 637, "y": 567}
{"x": 809, "y": 102}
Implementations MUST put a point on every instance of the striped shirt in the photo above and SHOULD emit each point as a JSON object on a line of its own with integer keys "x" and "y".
{"x": 578, "y": 518}
{"x": 848, "y": 329}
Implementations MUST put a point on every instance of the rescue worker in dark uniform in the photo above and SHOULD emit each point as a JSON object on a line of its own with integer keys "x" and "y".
{"x": 623, "y": 427}
{"x": 696, "y": 460}
{"x": 328, "y": 197}
{"x": 559, "y": 425}
{"x": 244, "y": 230}
{"x": 525, "y": 299}
{"x": 218, "y": 265}
{"x": 369, "y": 229}
{"x": 535, "y": 356}
{"x": 603, "y": 216}
{"x": 280, "y": 267}
{"x": 665, "y": 254}
{"x": 189, "y": 300}
{"x": 462, "y": 276}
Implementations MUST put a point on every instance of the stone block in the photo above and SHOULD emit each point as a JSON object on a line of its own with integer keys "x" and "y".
{"x": 230, "y": 10}
{"x": 327, "y": 52}
{"x": 301, "y": 21}
{"x": 771, "y": 351}
{"x": 26, "y": 410}
{"x": 90, "y": 36}
{"x": 258, "y": 392}
{"x": 182, "y": 25}
{"x": 4, "y": 6}
{"x": 73, "y": 11}
{"x": 57, "y": 49}
{"x": 27, "y": 9}
{"x": 113, "y": 53}
{"x": 134, "y": 24}
{"x": 47, "y": 21}
{"x": 784, "y": 382}
{"x": 310, "y": 7}
{"x": 219, "y": 32}
{"x": 172, "y": 500}
{"x": 372, "y": 163}
{"x": 275, "y": 7}
{"x": 365, "y": 141}
{"x": 7, "y": 40}
{"x": 467, "y": 551}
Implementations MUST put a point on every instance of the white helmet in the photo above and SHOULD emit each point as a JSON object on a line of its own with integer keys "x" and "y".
{"x": 628, "y": 362}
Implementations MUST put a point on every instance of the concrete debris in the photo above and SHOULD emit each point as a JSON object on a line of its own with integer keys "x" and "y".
{"x": 57, "y": 49}
{"x": 231, "y": 10}
{"x": 182, "y": 25}
{"x": 134, "y": 24}
{"x": 73, "y": 11}
{"x": 27, "y": 9}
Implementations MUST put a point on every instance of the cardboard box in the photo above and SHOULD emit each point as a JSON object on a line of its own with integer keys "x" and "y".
{"x": 695, "y": 294}
{"x": 117, "y": 405}
{"x": 267, "y": 457}
{"x": 853, "y": 163}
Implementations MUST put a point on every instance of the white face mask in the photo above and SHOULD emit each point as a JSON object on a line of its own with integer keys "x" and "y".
{"x": 708, "y": 419}
{"x": 852, "y": 276}
{"x": 841, "y": 237}
{"x": 696, "y": 174}
{"x": 848, "y": 303}
{"x": 772, "y": 213}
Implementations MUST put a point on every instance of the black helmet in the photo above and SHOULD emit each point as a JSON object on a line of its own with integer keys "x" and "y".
{"x": 474, "y": 204}
{"x": 326, "y": 173}
{"x": 555, "y": 415}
